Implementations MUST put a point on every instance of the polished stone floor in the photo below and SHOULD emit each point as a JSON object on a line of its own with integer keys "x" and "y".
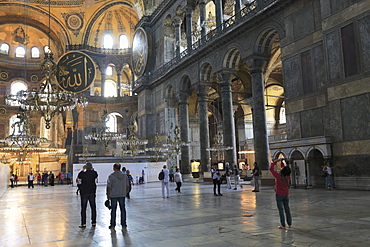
{"x": 49, "y": 216}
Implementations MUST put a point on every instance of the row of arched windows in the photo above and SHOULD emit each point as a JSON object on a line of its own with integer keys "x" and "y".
{"x": 108, "y": 41}
{"x": 20, "y": 51}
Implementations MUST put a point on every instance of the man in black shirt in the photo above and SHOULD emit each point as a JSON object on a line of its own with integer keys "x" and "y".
{"x": 88, "y": 193}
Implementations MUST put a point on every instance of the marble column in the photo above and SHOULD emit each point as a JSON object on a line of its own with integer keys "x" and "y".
{"x": 178, "y": 21}
{"x": 118, "y": 85}
{"x": 238, "y": 8}
{"x": 228, "y": 115}
{"x": 103, "y": 76}
{"x": 202, "y": 17}
{"x": 204, "y": 127}
{"x": 260, "y": 138}
{"x": 184, "y": 132}
{"x": 219, "y": 15}
{"x": 189, "y": 27}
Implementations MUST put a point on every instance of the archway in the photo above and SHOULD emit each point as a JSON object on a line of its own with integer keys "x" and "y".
{"x": 315, "y": 164}
{"x": 299, "y": 171}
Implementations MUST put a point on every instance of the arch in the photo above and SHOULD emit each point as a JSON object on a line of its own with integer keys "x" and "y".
{"x": 232, "y": 59}
{"x": 264, "y": 40}
{"x": 98, "y": 14}
{"x": 296, "y": 153}
{"x": 4, "y": 48}
{"x": 110, "y": 88}
{"x": 276, "y": 154}
{"x": 206, "y": 73}
{"x": 35, "y": 52}
{"x": 112, "y": 123}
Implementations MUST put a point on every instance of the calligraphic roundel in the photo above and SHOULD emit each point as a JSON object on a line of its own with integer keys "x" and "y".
{"x": 75, "y": 72}
{"x": 139, "y": 52}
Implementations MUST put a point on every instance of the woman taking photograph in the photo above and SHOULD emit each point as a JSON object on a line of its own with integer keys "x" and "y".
{"x": 282, "y": 184}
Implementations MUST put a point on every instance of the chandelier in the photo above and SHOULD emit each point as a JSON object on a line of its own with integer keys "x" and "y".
{"x": 21, "y": 142}
{"x": 174, "y": 146}
{"x": 105, "y": 136}
{"x": 49, "y": 100}
{"x": 157, "y": 149}
{"x": 130, "y": 146}
{"x": 218, "y": 145}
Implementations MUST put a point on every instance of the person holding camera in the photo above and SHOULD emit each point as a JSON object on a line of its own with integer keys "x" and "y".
{"x": 282, "y": 184}
{"x": 216, "y": 176}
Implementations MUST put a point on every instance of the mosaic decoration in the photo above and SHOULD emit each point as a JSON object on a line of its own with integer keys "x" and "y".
{"x": 20, "y": 36}
{"x": 56, "y": 2}
{"x": 3, "y": 75}
{"x": 74, "y": 21}
{"x": 121, "y": 27}
{"x": 108, "y": 28}
{"x": 2, "y": 111}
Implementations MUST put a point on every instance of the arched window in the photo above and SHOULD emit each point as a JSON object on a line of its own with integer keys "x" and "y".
{"x": 20, "y": 52}
{"x": 108, "y": 41}
{"x": 16, "y": 87}
{"x": 110, "y": 89}
{"x": 35, "y": 52}
{"x": 123, "y": 41}
{"x": 282, "y": 114}
{"x": 109, "y": 70}
{"x": 4, "y": 48}
{"x": 112, "y": 124}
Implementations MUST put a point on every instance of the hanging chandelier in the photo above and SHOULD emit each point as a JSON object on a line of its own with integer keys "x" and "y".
{"x": 130, "y": 146}
{"x": 49, "y": 100}
{"x": 157, "y": 149}
{"x": 21, "y": 142}
{"x": 85, "y": 153}
{"x": 105, "y": 136}
{"x": 174, "y": 145}
{"x": 218, "y": 145}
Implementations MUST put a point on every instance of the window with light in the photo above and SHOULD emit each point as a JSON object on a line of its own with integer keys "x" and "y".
{"x": 4, "y": 48}
{"x": 110, "y": 89}
{"x": 123, "y": 41}
{"x": 108, "y": 41}
{"x": 35, "y": 52}
{"x": 20, "y": 52}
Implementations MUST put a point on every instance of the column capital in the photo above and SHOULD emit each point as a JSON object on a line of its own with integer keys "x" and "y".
{"x": 225, "y": 75}
{"x": 177, "y": 20}
{"x": 189, "y": 9}
{"x": 256, "y": 61}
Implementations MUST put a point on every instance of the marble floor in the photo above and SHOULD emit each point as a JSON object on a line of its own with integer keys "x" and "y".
{"x": 49, "y": 216}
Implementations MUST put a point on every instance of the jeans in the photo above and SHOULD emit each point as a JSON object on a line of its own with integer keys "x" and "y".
{"x": 329, "y": 181}
{"x": 30, "y": 183}
{"x": 217, "y": 182}
{"x": 91, "y": 199}
{"x": 283, "y": 205}
{"x": 256, "y": 183}
{"x": 228, "y": 180}
{"x": 236, "y": 178}
{"x": 121, "y": 201}
{"x": 165, "y": 185}
{"x": 178, "y": 186}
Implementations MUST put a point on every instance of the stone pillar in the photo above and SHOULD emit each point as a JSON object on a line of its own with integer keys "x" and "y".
{"x": 189, "y": 27}
{"x": 238, "y": 8}
{"x": 228, "y": 115}
{"x": 219, "y": 15}
{"x": 184, "y": 132}
{"x": 203, "y": 17}
{"x": 102, "y": 82}
{"x": 203, "y": 127}
{"x": 118, "y": 85}
{"x": 260, "y": 138}
{"x": 177, "y": 20}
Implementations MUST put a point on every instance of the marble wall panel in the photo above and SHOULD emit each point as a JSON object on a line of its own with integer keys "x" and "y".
{"x": 364, "y": 33}
{"x": 332, "y": 121}
{"x": 312, "y": 123}
{"x": 325, "y": 8}
{"x": 319, "y": 66}
{"x": 333, "y": 47}
{"x": 338, "y": 5}
{"x": 292, "y": 77}
{"x": 293, "y": 126}
{"x": 356, "y": 117}
{"x": 306, "y": 23}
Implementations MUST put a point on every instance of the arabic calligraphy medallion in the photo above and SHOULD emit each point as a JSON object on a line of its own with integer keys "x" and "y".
{"x": 75, "y": 72}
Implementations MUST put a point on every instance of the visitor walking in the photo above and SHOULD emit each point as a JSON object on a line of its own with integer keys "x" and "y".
{"x": 178, "y": 180}
{"x": 165, "y": 182}
{"x": 216, "y": 176}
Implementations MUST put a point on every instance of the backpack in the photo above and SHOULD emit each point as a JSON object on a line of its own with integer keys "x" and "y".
{"x": 161, "y": 175}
